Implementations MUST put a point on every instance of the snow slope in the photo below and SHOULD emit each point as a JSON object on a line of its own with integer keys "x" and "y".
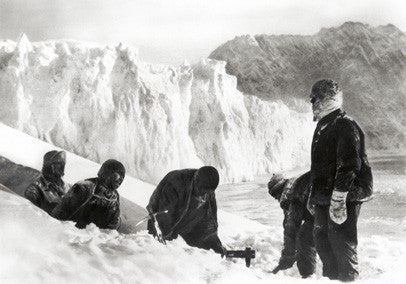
{"x": 103, "y": 102}
{"x": 34, "y": 248}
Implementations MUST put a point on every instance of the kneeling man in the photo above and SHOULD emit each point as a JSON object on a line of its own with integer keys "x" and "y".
{"x": 187, "y": 196}
{"x": 94, "y": 200}
{"x": 47, "y": 191}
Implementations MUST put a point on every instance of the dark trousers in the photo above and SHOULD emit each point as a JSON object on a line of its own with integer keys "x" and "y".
{"x": 337, "y": 244}
{"x": 306, "y": 252}
{"x": 298, "y": 244}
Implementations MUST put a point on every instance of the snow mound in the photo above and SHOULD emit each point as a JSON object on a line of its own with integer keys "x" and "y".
{"x": 102, "y": 102}
{"x": 38, "y": 249}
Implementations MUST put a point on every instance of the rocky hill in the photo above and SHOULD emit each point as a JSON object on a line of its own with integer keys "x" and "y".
{"x": 368, "y": 62}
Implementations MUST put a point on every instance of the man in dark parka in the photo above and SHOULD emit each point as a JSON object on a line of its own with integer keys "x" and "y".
{"x": 189, "y": 198}
{"x": 94, "y": 200}
{"x": 298, "y": 244}
{"x": 47, "y": 191}
{"x": 341, "y": 181}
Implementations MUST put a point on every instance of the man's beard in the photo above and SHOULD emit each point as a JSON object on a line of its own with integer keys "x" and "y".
{"x": 326, "y": 106}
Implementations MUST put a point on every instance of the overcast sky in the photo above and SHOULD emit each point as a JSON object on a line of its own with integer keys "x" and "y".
{"x": 168, "y": 31}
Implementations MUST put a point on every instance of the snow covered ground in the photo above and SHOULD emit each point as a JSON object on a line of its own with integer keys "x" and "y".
{"x": 35, "y": 248}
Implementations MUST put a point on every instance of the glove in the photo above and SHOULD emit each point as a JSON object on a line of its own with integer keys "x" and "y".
{"x": 338, "y": 207}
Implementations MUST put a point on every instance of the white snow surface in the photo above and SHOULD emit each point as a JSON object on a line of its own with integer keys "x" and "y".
{"x": 103, "y": 102}
{"x": 34, "y": 248}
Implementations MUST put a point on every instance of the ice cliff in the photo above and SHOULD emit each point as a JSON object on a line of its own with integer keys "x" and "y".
{"x": 103, "y": 102}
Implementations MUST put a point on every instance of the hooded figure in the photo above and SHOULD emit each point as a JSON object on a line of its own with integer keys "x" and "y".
{"x": 94, "y": 200}
{"x": 341, "y": 180}
{"x": 298, "y": 244}
{"x": 47, "y": 191}
{"x": 189, "y": 199}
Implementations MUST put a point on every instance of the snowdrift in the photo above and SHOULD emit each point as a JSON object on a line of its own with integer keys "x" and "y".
{"x": 102, "y": 102}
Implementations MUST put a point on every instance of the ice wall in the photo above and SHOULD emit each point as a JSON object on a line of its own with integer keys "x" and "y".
{"x": 103, "y": 102}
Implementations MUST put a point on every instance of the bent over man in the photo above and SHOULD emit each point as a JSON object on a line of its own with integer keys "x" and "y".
{"x": 341, "y": 181}
{"x": 298, "y": 244}
{"x": 188, "y": 198}
{"x": 47, "y": 191}
{"x": 94, "y": 200}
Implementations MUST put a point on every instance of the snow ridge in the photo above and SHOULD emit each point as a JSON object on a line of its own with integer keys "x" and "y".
{"x": 102, "y": 102}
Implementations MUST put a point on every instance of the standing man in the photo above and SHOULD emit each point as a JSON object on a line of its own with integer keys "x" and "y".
{"x": 94, "y": 200}
{"x": 47, "y": 191}
{"x": 187, "y": 203}
{"x": 298, "y": 244}
{"x": 341, "y": 181}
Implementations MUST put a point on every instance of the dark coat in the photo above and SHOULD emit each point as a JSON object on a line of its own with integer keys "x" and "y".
{"x": 88, "y": 202}
{"x": 46, "y": 194}
{"x": 338, "y": 160}
{"x": 194, "y": 220}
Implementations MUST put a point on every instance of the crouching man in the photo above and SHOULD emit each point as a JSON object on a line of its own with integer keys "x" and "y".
{"x": 94, "y": 200}
{"x": 187, "y": 196}
{"x": 298, "y": 244}
{"x": 341, "y": 181}
{"x": 47, "y": 191}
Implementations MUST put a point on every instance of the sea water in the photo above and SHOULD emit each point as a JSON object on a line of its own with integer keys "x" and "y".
{"x": 387, "y": 208}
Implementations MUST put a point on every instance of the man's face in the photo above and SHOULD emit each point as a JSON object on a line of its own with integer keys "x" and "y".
{"x": 58, "y": 169}
{"x": 114, "y": 180}
{"x": 203, "y": 192}
{"x": 318, "y": 105}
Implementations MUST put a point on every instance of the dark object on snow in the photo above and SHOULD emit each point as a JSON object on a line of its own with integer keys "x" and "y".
{"x": 338, "y": 163}
{"x": 298, "y": 244}
{"x": 191, "y": 205}
{"x": 47, "y": 191}
{"x": 94, "y": 200}
{"x": 16, "y": 177}
{"x": 247, "y": 254}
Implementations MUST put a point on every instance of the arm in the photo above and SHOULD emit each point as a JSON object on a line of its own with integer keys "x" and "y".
{"x": 164, "y": 197}
{"x": 212, "y": 241}
{"x": 348, "y": 155}
{"x": 33, "y": 194}
{"x": 348, "y": 165}
{"x": 70, "y": 202}
{"x": 115, "y": 220}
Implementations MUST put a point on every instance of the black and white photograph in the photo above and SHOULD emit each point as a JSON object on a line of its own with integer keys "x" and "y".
{"x": 202, "y": 141}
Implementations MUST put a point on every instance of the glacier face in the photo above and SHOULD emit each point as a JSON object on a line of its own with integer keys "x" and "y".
{"x": 102, "y": 102}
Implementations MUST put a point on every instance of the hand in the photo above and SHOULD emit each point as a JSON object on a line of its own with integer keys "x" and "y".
{"x": 284, "y": 263}
{"x": 223, "y": 252}
{"x": 338, "y": 207}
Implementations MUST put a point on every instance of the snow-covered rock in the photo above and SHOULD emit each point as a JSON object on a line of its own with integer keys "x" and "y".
{"x": 102, "y": 102}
